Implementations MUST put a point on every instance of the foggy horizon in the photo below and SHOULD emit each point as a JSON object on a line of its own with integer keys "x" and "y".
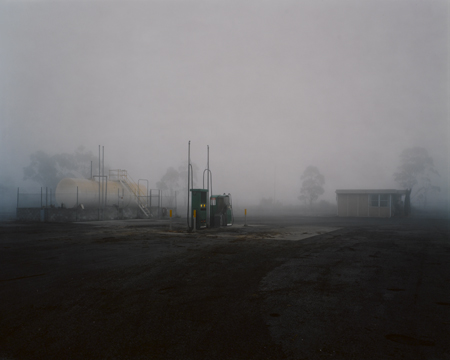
{"x": 272, "y": 87}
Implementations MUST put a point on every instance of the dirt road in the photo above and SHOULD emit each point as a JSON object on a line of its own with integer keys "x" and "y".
{"x": 297, "y": 288}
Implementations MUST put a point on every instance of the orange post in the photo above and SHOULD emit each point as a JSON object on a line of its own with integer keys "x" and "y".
{"x": 195, "y": 220}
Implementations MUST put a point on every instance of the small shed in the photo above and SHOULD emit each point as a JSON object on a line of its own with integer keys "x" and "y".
{"x": 370, "y": 203}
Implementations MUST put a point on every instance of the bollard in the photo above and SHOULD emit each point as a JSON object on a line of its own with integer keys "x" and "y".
{"x": 170, "y": 219}
{"x": 195, "y": 220}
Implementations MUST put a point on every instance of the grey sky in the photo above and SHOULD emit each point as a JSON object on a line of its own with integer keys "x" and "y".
{"x": 271, "y": 86}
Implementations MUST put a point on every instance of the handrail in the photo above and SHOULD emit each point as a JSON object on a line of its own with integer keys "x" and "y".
{"x": 127, "y": 181}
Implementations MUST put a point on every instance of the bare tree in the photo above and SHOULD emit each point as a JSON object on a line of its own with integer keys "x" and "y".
{"x": 312, "y": 185}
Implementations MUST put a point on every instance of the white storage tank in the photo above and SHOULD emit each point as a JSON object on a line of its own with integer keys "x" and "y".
{"x": 88, "y": 193}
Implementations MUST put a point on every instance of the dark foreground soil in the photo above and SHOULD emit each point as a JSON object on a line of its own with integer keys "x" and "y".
{"x": 361, "y": 289}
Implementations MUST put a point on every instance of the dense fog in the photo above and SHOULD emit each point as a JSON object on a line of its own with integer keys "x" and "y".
{"x": 272, "y": 87}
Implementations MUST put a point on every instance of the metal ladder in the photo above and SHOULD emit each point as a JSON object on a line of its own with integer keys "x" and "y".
{"x": 128, "y": 183}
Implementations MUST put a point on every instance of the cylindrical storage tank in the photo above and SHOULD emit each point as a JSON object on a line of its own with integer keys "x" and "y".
{"x": 89, "y": 190}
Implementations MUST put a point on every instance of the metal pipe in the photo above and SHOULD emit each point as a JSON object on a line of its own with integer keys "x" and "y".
{"x": 99, "y": 207}
{"x": 210, "y": 174}
{"x": 191, "y": 171}
{"x": 106, "y": 192}
{"x": 103, "y": 174}
{"x": 207, "y": 187}
{"x": 188, "y": 184}
{"x": 99, "y": 173}
{"x": 76, "y": 212}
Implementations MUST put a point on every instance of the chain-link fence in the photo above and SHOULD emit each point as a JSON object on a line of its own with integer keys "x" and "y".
{"x": 156, "y": 203}
{"x": 44, "y": 198}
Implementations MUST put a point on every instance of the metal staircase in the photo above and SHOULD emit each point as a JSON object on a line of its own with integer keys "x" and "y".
{"x": 129, "y": 184}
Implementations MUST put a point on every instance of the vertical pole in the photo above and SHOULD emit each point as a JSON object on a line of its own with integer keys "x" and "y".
{"x": 99, "y": 173}
{"x": 91, "y": 169}
{"x": 17, "y": 198}
{"x": 103, "y": 179}
{"x": 106, "y": 192}
{"x": 245, "y": 224}
{"x": 189, "y": 182}
{"x": 51, "y": 196}
{"x": 170, "y": 216}
{"x": 46, "y": 196}
{"x": 41, "y": 196}
{"x": 76, "y": 213}
{"x": 207, "y": 187}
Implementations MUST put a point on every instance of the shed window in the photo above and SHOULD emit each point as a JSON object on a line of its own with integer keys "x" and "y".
{"x": 384, "y": 200}
{"x": 374, "y": 200}
{"x": 379, "y": 200}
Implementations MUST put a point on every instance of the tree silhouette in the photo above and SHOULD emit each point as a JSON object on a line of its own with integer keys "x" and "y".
{"x": 416, "y": 170}
{"x": 48, "y": 170}
{"x": 312, "y": 185}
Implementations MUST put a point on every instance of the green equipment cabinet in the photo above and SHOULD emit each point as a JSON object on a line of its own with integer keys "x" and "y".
{"x": 221, "y": 210}
{"x": 199, "y": 197}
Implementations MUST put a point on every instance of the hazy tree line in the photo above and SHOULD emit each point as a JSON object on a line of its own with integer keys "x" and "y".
{"x": 49, "y": 170}
{"x": 415, "y": 172}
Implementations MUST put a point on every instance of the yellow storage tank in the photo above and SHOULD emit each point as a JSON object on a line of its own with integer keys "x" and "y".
{"x": 88, "y": 193}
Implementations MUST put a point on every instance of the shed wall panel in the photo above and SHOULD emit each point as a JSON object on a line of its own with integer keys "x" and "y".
{"x": 352, "y": 205}
{"x": 342, "y": 204}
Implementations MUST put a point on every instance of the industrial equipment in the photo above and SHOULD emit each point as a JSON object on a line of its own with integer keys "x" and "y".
{"x": 199, "y": 198}
{"x": 204, "y": 211}
{"x": 221, "y": 211}
{"x": 118, "y": 190}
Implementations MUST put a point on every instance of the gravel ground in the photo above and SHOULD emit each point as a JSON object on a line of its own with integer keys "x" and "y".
{"x": 292, "y": 288}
